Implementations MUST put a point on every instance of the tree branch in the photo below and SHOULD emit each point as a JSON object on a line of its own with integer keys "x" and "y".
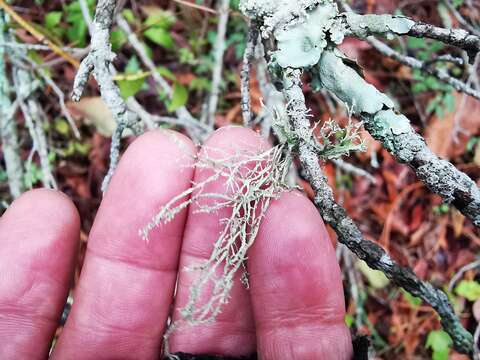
{"x": 396, "y": 134}
{"x": 373, "y": 24}
{"x": 347, "y": 231}
{"x": 219, "y": 50}
{"x": 98, "y": 62}
{"x": 248, "y": 56}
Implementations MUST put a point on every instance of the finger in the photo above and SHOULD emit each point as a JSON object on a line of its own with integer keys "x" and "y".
{"x": 126, "y": 286}
{"x": 232, "y": 333}
{"x": 295, "y": 285}
{"x": 38, "y": 242}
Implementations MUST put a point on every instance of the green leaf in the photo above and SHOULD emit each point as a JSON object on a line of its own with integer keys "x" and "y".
{"x": 412, "y": 300}
{"x": 130, "y": 87}
{"x": 82, "y": 149}
{"x": 160, "y": 19}
{"x": 440, "y": 342}
{"x": 415, "y": 43}
{"x": 348, "y": 320}
{"x": 433, "y": 104}
{"x": 3, "y": 175}
{"x": 440, "y": 355}
{"x": 471, "y": 143}
{"x": 449, "y": 101}
{"x": 62, "y": 127}
{"x": 129, "y": 15}
{"x": 33, "y": 174}
{"x": 419, "y": 87}
{"x": 468, "y": 289}
{"x": 376, "y": 278}
{"x": 200, "y": 83}
{"x": 166, "y": 73}
{"x": 118, "y": 39}
{"x": 52, "y": 19}
{"x": 133, "y": 65}
{"x": 179, "y": 97}
{"x": 77, "y": 32}
{"x": 160, "y": 37}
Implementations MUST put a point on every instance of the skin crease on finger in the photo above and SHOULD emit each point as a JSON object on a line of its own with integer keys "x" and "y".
{"x": 233, "y": 331}
{"x": 295, "y": 285}
{"x": 38, "y": 243}
{"x": 126, "y": 287}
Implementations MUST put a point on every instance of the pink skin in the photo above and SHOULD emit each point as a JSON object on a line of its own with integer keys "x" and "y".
{"x": 295, "y": 308}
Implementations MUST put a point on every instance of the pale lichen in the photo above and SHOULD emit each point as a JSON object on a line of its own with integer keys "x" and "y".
{"x": 276, "y": 14}
{"x": 301, "y": 44}
{"x": 389, "y": 25}
{"x": 342, "y": 80}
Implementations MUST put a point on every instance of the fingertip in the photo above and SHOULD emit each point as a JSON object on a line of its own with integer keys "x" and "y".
{"x": 51, "y": 204}
{"x": 155, "y": 168}
{"x": 232, "y": 138}
{"x": 38, "y": 238}
{"x": 169, "y": 140}
{"x": 296, "y": 287}
{"x": 156, "y": 145}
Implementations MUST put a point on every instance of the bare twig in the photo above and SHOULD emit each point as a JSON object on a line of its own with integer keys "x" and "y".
{"x": 458, "y": 37}
{"x": 354, "y": 170}
{"x": 196, "y": 6}
{"x": 459, "y": 274}
{"x": 86, "y": 15}
{"x": 248, "y": 56}
{"x": 8, "y": 126}
{"x": 461, "y": 19}
{"x": 372, "y": 24}
{"x": 98, "y": 62}
{"x": 396, "y": 134}
{"x": 24, "y": 85}
{"x": 219, "y": 49}
{"x": 412, "y": 62}
{"x": 194, "y": 128}
{"x": 60, "y": 95}
{"x": 455, "y": 37}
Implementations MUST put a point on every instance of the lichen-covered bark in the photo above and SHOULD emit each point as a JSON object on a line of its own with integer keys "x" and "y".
{"x": 397, "y": 135}
{"x": 303, "y": 31}
{"x": 347, "y": 231}
{"x": 98, "y": 62}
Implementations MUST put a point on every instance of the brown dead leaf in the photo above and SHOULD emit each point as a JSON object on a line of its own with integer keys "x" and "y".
{"x": 457, "y": 222}
{"x": 438, "y": 135}
{"x": 439, "y": 132}
{"x": 94, "y": 111}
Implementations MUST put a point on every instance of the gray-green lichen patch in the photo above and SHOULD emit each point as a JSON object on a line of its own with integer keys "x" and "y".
{"x": 365, "y": 25}
{"x": 278, "y": 13}
{"x": 342, "y": 80}
{"x": 390, "y": 121}
{"x": 388, "y": 127}
{"x": 301, "y": 44}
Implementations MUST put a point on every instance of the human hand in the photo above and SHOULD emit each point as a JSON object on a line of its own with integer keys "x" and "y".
{"x": 294, "y": 308}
